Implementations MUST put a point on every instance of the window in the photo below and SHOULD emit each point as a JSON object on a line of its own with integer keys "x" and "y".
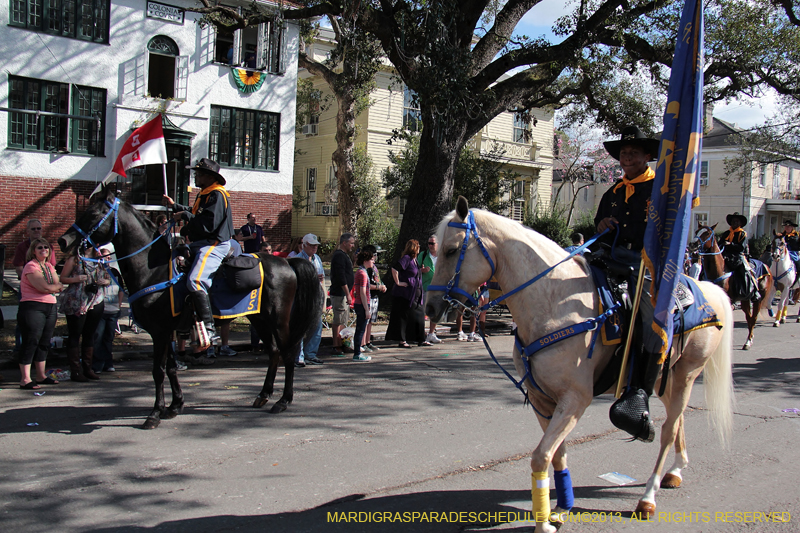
{"x": 704, "y": 174}
{"x": 167, "y": 71}
{"x": 700, "y": 219}
{"x": 522, "y": 127}
{"x": 776, "y": 181}
{"x": 585, "y": 194}
{"x": 412, "y": 119}
{"x": 257, "y": 48}
{"x": 244, "y": 138}
{"x": 51, "y": 133}
{"x": 397, "y": 207}
{"x": 78, "y": 19}
{"x": 762, "y": 176}
{"x": 311, "y": 190}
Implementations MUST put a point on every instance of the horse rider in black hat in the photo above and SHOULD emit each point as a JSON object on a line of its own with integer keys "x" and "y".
{"x": 209, "y": 227}
{"x": 734, "y": 249}
{"x": 623, "y": 209}
{"x": 734, "y": 242}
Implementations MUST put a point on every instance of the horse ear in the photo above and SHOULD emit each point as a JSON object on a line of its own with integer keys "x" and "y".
{"x": 462, "y": 207}
{"x": 714, "y": 226}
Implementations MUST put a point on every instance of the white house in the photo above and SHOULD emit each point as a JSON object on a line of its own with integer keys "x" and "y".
{"x": 119, "y": 63}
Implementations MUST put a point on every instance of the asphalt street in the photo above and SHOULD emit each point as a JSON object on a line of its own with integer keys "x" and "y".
{"x": 412, "y": 433}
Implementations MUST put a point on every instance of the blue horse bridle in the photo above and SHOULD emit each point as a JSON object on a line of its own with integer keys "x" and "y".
{"x": 591, "y": 324}
{"x": 87, "y": 237}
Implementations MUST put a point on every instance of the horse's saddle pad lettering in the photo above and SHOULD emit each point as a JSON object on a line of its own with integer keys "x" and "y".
{"x": 225, "y": 301}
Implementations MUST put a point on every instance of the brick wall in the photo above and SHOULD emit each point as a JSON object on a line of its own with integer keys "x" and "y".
{"x": 58, "y": 203}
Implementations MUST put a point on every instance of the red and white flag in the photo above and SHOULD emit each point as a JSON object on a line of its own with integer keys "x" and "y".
{"x": 145, "y": 146}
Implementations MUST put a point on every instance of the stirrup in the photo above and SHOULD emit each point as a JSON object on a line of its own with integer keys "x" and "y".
{"x": 631, "y": 414}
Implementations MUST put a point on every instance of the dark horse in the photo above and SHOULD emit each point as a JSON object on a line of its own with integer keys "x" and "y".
{"x": 290, "y": 303}
{"x": 714, "y": 271}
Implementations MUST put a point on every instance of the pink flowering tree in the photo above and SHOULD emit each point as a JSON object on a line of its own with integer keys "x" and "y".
{"x": 580, "y": 161}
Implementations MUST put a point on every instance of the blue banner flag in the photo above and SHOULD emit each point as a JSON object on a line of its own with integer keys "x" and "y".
{"x": 675, "y": 188}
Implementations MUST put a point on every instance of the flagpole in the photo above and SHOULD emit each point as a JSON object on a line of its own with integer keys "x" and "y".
{"x": 637, "y": 298}
{"x": 164, "y": 171}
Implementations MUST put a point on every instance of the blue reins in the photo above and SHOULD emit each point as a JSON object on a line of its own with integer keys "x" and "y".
{"x": 591, "y": 324}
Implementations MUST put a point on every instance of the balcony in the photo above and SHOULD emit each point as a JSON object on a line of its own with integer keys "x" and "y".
{"x": 519, "y": 151}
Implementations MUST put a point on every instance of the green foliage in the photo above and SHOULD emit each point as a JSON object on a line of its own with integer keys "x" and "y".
{"x": 373, "y": 223}
{"x": 326, "y": 248}
{"x": 310, "y": 102}
{"x": 551, "y": 225}
{"x": 757, "y": 245}
{"x": 482, "y": 179}
{"x": 584, "y": 225}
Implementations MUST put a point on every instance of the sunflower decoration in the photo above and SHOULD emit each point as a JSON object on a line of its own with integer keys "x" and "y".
{"x": 248, "y": 81}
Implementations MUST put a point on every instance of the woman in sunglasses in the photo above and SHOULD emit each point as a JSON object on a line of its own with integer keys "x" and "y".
{"x": 37, "y": 312}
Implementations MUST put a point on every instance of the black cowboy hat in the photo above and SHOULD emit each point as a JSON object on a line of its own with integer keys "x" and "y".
{"x": 209, "y": 166}
{"x": 733, "y": 216}
{"x": 789, "y": 223}
{"x": 632, "y": 135}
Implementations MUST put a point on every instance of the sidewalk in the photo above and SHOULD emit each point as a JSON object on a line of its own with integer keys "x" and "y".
{"x": 130, "y": 345}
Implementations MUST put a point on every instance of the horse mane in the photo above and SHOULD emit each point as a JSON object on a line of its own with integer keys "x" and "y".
{"x": 492, "y": 222}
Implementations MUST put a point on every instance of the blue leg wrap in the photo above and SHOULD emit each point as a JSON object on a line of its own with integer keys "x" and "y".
{"x": 564, "y": 497}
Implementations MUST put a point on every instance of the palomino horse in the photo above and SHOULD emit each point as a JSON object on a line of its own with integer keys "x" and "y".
{"x": 783, "y": 272}
{"x": 563, "y": 372}
{"x": 714, "y": 271}
{"x": 291, "y": 299}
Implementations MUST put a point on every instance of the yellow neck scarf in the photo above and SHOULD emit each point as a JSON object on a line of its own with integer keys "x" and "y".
{"x": 208, "y": 190}
{"x": 629, "y": 184}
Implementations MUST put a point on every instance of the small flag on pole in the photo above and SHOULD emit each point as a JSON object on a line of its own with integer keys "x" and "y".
{"x": 675, "y": 187}
{"x": 145, "y": 146}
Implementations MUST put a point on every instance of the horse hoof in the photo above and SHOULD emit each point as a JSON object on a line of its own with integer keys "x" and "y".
{"x": 776, "y": 325}
{"x": 644, "y": 510}
{"x": 746, "y": 347}
{"x": 670, "y": 481}
{"x": 172, "y": 412}
{"x": 151, "y": 423}
{"x": 260, "y": 402}
{"x": 278, "y": 408}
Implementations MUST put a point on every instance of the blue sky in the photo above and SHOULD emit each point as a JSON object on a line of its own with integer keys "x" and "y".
{"x": 746, "y": 113}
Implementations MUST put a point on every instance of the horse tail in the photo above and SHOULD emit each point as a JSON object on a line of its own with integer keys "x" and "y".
{"x": 307, "y": 305}
{"x": 718, "y": 375}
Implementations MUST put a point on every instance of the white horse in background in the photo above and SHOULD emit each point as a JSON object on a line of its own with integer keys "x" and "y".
{"x": 784, "y": 274}
{"x": 563, "y": 371}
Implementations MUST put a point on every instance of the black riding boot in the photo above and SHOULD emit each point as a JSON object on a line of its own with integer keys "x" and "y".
{"x": 631, "y": 413}
{"x": 202, "y": 307}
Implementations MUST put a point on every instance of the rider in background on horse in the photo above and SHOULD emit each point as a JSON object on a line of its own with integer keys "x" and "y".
{"x": 623, "y": 210}
{"x": 209, "y": 227}
{"x": 733, "y": 245}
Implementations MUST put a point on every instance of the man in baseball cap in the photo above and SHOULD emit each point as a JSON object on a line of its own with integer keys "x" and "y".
{"x": 308, "y": 350}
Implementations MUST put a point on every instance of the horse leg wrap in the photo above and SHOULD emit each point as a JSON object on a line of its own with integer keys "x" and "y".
{"x": 565, "y": 498}
{"x": 540, "y": 496}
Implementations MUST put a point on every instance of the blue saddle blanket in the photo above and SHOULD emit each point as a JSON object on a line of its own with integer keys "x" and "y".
{"x": 225, "y": 303}
{"x": 697, "y": 315}
{"x": 759, "y": 269}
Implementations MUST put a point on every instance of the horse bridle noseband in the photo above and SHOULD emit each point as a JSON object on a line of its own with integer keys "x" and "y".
{"x": 113, "y": 209}
{"x": 470, "y": 227}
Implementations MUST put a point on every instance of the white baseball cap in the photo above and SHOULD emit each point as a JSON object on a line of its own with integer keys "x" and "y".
{"x": 310, "y": 238}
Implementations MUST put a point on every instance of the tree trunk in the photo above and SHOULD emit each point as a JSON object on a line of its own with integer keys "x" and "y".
{"x": 431, "y": 195}
{"x": 343, "y": 159}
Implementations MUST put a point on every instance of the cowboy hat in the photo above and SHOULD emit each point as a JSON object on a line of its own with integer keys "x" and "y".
{"x": 733, "y": 216}
{"x": 210, "y": 166}
{"x": 632, "y": 135}
{"x": 789, "y": 223}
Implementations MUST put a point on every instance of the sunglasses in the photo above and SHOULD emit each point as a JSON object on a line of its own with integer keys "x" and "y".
{"x": 431, "y": 243}
{"x": 42, "y": 247}
{"x": 36, "y": 229}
